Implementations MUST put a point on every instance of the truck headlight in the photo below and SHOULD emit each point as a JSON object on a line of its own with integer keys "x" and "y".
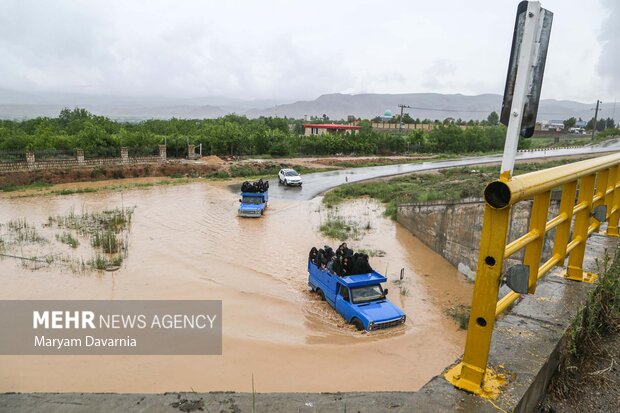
{"x": 371, "y": 325}
{"x": 403, "y": 318}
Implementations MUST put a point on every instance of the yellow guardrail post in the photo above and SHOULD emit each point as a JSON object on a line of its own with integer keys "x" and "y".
{"x": 580, "y": 230}
{"x": 469, "y": 374}
{"x": 599, "y": 196}
{"x": 562, "y": 232}
{"x": 613, "y": 202}
{"x": 533, "y": 250}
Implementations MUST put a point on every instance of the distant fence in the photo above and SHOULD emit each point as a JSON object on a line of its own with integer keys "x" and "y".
{"x": 406, "y": 126}
{"x": 20, "y": 161}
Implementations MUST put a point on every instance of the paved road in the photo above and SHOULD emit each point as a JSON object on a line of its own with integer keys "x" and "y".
{"x": 316, "y": 183}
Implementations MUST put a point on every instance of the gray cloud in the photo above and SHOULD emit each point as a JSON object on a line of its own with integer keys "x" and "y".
{"x": 609, "y": 61}
{"x": 276, "y": 49}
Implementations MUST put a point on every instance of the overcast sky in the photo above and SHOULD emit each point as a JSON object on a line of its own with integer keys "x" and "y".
{"x": 286, "y": 50}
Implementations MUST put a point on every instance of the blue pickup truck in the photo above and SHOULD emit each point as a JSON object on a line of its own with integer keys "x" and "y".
{"x": 359, "y": 299}
{"x": 253, "y": 204}
{"x": 254, "y": 198}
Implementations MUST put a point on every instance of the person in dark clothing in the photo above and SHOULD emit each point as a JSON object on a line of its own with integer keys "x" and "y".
{"x": 320, "y": 259}
{"x": 337, "y": 265}
{"x": 313, "y": 254}
{"x": 342, "y": 249}
{"x": 344, "y": 268}
{"x": 329, "y": 252}
{"x": 363, "y": 266}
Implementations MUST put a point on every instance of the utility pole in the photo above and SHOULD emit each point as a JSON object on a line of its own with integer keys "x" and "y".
{"x": 402, "y": 107}
{"x": 595, "y": 118}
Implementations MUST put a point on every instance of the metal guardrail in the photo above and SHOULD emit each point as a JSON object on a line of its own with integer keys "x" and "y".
{"x": 596, "y": 185}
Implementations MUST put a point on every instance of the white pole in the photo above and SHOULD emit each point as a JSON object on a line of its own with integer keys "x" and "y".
{"x": 527, "y": 53}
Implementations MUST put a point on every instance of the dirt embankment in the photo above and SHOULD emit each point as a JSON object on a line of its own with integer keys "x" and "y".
{"x": 98, "y": 173}
{"x": 209, "y": 167}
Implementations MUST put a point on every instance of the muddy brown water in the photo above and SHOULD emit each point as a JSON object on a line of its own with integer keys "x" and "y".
{"x": 186, "y": 242}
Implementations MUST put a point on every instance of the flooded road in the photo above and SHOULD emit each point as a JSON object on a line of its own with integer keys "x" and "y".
{"x": 186, "y": 242}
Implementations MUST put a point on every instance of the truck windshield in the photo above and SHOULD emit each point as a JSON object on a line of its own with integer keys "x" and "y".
{"x": 367, "y": 293}
{"x": 291, "y": 173}
{"x": 252, "y": 200}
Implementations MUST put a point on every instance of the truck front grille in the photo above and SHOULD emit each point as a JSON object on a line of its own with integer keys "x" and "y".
{"x": 387, "y": 324}
{"x": 249, "y": 213}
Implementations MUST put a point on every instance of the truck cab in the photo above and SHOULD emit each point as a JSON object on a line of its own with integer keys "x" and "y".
{"x": 253, "y": 204}
{"x": 359, "y": 299}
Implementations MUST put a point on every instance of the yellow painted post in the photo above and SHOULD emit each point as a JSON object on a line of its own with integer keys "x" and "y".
{"x": 469, "y": 374}
{"x": 609, "y": 188}
{"x": 562, "y": 231}
{"x": 601, "y": 187}
{"x": 533, "y": 250}
{"x": 612, "y": 208}
{"x": 580, "y": 230}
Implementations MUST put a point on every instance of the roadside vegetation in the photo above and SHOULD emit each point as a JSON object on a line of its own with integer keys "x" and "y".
{"x": 588, "y": 372}
{"x": 445, "y": 185}
{"x": 460, "y": 314}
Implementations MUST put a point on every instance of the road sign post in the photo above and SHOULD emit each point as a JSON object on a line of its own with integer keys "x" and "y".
{"x": 524, "y": 79}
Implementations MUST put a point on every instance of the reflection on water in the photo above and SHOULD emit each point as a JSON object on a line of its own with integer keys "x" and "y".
{"x": 186, "y": 242}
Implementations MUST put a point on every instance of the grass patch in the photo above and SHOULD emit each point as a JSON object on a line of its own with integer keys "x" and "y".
{"x": 218, "y": 175}
{"x": 99, "y": 262}
{"x": 67, "y": 238}
{"x": 445, "y": 185}
{"x": 460, "y": 314}
{"x": 338, "y": 228}
{"x": 91, "y": 223}
{"x": 20, "y": 231}
{"x": 34, "y": 185}
{"x": 106, "y": 240}
{"x": 587, "y": 335}
{"x": 372, "y": 252}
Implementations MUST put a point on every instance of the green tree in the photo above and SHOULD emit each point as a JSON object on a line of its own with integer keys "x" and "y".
{"x": 493, "y": 118}
{"x": 569, "y": 123}
{"x": 408, "y": 119}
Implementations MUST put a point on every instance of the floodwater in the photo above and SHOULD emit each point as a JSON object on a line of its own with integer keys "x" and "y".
{"x": 186, "y": 242}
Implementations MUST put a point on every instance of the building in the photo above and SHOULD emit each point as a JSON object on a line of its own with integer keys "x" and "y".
{"x": 321, "y": 128}
{"x": 552, "y": 125}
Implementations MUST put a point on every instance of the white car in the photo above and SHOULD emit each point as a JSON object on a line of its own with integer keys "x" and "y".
{"x": 289, "y": 177}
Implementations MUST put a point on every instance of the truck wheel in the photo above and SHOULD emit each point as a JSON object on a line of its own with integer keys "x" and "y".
{"x": 321, "y": 294}
{"x": 359, "y": 326}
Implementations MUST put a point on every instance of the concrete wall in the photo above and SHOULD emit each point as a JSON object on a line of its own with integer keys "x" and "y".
{"x": 453, "y": 228}
{"x": 31, "y": 164}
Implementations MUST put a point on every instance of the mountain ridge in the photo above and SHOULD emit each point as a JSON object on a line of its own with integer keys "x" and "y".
{"x": 22, "y": 105}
